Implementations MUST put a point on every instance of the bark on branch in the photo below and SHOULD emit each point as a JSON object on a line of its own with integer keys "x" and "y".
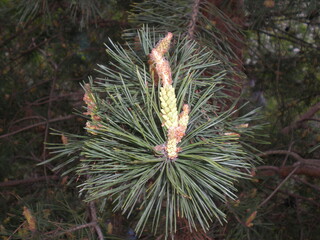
{"x": 299, "y": 123}
{"x": 309, "y": 167}
{"x": 28, "y": 181}
{"x": 94, "y": 218}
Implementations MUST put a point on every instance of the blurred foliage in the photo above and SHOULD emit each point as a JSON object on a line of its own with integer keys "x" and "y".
{"x": 42, "y": 64}
{"x": 49, "y": 47}
{"x": 282, "y": 65}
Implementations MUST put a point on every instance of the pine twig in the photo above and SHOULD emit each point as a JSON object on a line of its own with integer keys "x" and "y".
{"x": 17, "y": 229}
{"x": 93, "y": 223}
{"x": 54, "y": 79}
{"x": 312, "y": 162}
{"x": 315, "y": 187}
{"x": 278, "y": 187}
{"x": 28, "y": 181}
{"x": 73, "y": 229}
{"x": 304, "y": 169}
{"x": 94, "y": 219}
{"x": 309, "y": 167}
{"x": 308, "y": 115}
{"x": 36, "y": 125}
{"x": 310, "y": 200}
{"x": 76, "y": 228}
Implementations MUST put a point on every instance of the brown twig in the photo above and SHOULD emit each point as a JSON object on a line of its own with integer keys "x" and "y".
{"x": 12, "y": 123}
{"x": 45, "y": 100}
{"x": 54, "y": 79}
{"x": 33, "y": 48}
{"x": 287, "y": 155}
{"x": 306, "y": 183}
{"x": 27, "y": 118}
{"x": 93, "y": 223}
{"x": 306, "y": 161}
{"x": 16, "y": 230}
{"x": 93, "y": 213}
{"x": 36, "y": 125}
{"x": 28, "y": 181}
{"x": 76, "y": 228}
{"x": 309, "y": 167}
{"x": 73, "y": 229}
{"x": 298, "y": 123}
{"x": 296, "y": 196}
{"x": 308, "y": 170}
{"x": 278, "y": 187}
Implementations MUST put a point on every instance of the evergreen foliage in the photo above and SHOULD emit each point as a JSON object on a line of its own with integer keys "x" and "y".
{"x": 123, "y": 158}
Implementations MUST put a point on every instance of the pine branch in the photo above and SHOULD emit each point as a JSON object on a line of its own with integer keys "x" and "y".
{"x": 141, "y": 154}
{"x": 311, "y": 170}
{"x": 309, "y": 167}
{"x": 303, "y": 161}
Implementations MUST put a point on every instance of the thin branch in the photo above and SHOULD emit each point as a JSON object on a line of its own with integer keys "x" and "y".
{"x": 36, "y": 125}
{"x": 16, "y": 230}
{"x": 294, "y": 40}
{"x": 298, "y": 211}
{"x": 285, "y": 152}
{"x": 269, "y": 168}
{"x": 306, "y": 183}
{"x": 29, "y": 50}
{"x": 28, "y": 181}
{"x": 278, "y": 187}
{"x": 93, "y": 213}
{"x": 286, "y": 158}
{"x": 54, "y": 79}
{"x": 17, "y": 94}
{"x": 307, "y": 170}
{"x": 298, "y": 123}
{"x": 28, "y": 118}
{"x": 91, "y": 224}
{"x": 297, "y": 196}
{"x": 44, "y": 100}
{"x": 313, "y": 162}
{"x": 24, "y": 119}
{"x": 76, "y": 228}
{"x": 309, "y": 167}
{"x": 311, "y": 119}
